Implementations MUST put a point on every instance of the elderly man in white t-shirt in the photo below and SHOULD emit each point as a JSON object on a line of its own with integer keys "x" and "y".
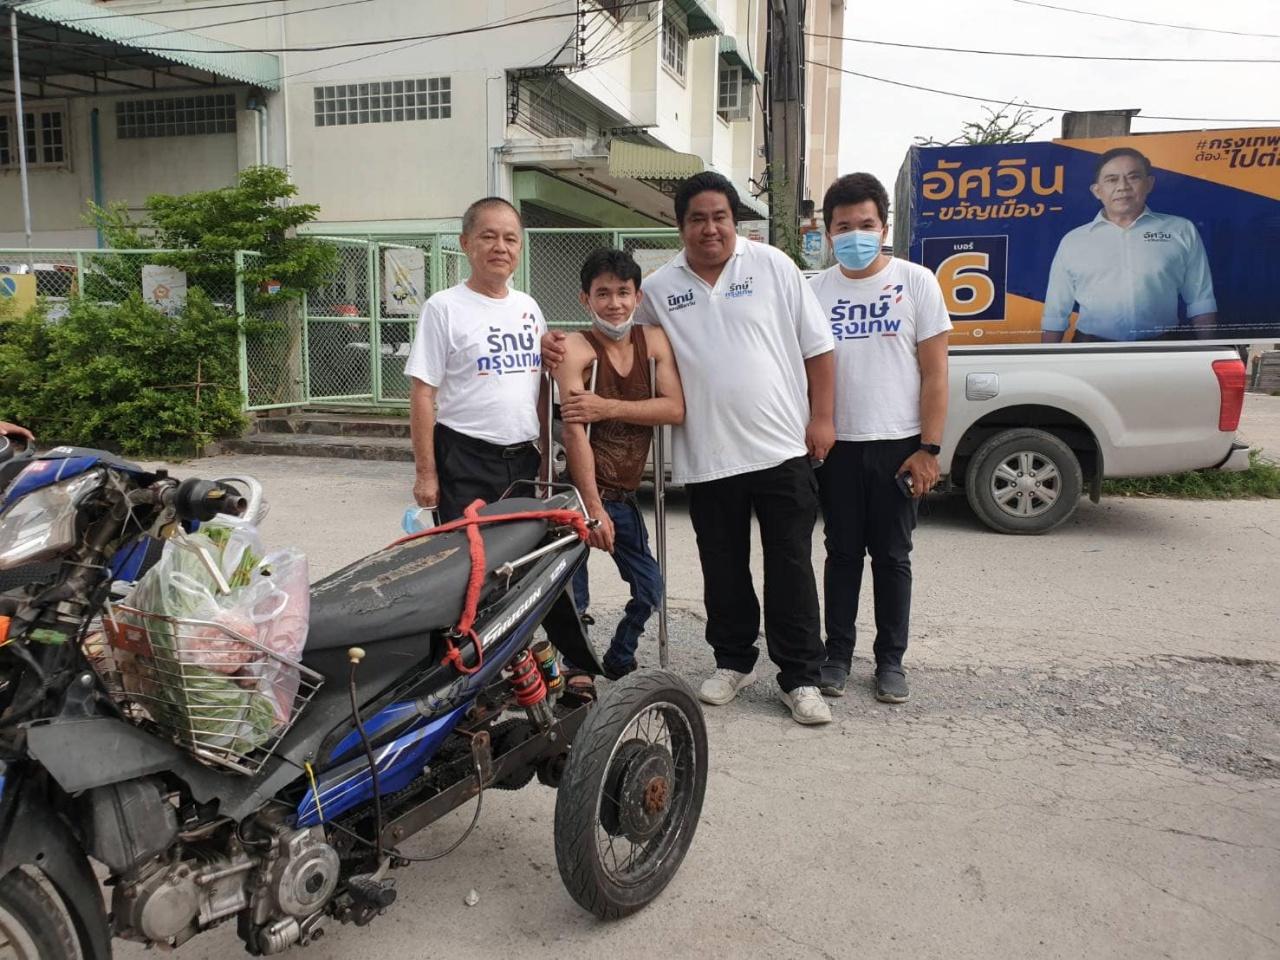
{"x": 890, "y": 327}
{"x": 476, "y": 356}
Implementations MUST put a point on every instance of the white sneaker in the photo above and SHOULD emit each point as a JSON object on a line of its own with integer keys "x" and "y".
{"x": 723, "y": 685}
{"x": 806, "y": 705}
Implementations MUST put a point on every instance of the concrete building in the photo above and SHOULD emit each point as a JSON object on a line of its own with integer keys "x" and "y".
{"x": 824, "y": 20}
{"x": 584, "y": 113}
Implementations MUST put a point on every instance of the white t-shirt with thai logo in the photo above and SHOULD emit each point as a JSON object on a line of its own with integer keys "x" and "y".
{"x": 877, "y": 322}
{"x": 740, "y": 346}
{"x": 484, "y": 357}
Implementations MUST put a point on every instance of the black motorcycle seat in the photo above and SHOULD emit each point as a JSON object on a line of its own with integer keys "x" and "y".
{"x": 419, "y": 586}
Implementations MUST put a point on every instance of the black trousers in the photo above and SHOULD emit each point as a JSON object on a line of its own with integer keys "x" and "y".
{"x": 785, "y": 502}
{"x": 471, "y": 469}
{"x": 864, "y": 512}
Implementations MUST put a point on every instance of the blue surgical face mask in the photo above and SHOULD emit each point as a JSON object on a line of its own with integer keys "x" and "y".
{"x": 857, "y": 249}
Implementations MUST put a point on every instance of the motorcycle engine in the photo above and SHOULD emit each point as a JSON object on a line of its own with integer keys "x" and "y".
{"x": 283, "y": 891}
{"x": 170, "y": 903}
{"x": 306, "y": 874}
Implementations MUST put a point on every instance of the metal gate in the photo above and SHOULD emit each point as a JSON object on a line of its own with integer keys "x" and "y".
{"x": 347, "y": 341}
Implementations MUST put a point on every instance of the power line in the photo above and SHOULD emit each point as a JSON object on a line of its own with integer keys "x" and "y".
{"x": 1146, "y": 23}
{"x": 348, "y": 45}
{"x": 152, "y": 13}
{"x": 1033, "y": 106}
{"x": 229, "y": 23}
{"x": 1042, "y": 56}
{"x": 351, "y": 44}
{"x": 409, "y": 45}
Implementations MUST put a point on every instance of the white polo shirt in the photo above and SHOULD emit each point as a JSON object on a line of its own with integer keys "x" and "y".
{"x": 741, "y": 347}
{"x": 484, "y": 357}
{"x": 1127, "y": 280}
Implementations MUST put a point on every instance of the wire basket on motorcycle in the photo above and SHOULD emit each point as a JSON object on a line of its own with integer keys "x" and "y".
{"x": 222, "y": 695}
{"x": 206, "y": 646}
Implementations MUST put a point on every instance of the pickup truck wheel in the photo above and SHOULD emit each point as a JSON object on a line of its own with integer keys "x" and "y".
{"x": 1024, "y": 481}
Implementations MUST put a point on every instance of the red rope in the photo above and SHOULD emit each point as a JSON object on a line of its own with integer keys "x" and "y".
{"x": 471, "y": 522}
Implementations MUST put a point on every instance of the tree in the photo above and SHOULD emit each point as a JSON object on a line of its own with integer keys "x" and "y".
{"x": 205, "y": 229}
{"x": 1009, "y": 124}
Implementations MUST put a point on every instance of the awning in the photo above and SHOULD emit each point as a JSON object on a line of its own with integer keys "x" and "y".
{"x": 664, "y": 169}
{"x": 100, "y": 36}
{"x": 641, "y": 162}
{"x": 730, "y": 53}
{"x": 700, "y": 17}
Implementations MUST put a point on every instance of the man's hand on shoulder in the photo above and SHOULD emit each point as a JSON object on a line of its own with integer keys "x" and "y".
{"x": 554, "y": 349}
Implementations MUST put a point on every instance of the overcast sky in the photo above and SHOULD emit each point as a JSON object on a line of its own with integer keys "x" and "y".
{"x": 880, "y": 121}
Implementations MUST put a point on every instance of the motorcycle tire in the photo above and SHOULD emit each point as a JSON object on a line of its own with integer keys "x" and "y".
{"x": 628, "y": 804}
{"x": 33, "y": 925}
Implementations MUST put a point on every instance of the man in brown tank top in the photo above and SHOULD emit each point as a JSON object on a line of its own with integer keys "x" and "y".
{"x": 608, "y": 467}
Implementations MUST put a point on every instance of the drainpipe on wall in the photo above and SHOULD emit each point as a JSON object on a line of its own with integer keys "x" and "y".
{"x": 95, "y": 163}
{"x": 260, "y": 108}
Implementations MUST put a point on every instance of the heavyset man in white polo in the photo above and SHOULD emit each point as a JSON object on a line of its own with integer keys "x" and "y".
{"x": 755, "y": 352}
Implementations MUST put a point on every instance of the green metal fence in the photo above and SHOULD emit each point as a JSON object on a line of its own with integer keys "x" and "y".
{"x": 347, "y": 342}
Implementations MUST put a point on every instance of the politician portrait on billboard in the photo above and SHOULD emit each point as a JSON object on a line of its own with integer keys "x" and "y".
{"x": 1149, "y": 237}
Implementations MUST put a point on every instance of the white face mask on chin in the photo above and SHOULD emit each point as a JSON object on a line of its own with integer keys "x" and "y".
{"x": 614, "y": 331}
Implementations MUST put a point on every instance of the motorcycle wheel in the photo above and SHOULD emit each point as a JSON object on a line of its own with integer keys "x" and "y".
{"x": 632, "y": 792}
{"x": 32, "y": 924}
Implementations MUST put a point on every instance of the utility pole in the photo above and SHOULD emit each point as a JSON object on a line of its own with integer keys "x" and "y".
{"x": 784, "y": 126}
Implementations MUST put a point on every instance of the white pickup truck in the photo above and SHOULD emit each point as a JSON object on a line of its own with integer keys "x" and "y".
{"x": 1030, "y": 429}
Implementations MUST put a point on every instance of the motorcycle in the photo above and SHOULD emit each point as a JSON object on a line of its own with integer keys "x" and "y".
{"x": 420, "y": 689}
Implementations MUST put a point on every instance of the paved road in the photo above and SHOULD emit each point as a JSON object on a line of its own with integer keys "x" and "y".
{"x": 1090, "y": 766}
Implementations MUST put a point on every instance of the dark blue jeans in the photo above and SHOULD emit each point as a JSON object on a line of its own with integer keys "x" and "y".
{"x": 638, "y": 568}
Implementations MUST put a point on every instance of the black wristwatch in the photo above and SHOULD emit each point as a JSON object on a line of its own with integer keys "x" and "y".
{"x": 933, "y": 448}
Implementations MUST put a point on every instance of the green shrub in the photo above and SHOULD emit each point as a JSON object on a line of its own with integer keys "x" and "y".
{"x": 124, "y": 377}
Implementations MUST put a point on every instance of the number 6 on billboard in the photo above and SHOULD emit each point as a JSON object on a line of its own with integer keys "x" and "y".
{"x": 966, "y": 271}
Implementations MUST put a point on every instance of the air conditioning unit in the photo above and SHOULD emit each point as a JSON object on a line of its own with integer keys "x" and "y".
{"x": 637, "y": 12}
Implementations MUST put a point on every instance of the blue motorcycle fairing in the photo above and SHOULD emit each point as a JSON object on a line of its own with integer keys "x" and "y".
{"x": 399, "y": 762}
{"x": 386, "y": 717}
{"x": 351, "y": 784}
{"x": 63, "y": 463}
{"x": 45, "y": 473}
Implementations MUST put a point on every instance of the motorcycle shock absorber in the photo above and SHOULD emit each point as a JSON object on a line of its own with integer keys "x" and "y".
{"x": 545, "y": 654}
{"x": 531, "y": 690}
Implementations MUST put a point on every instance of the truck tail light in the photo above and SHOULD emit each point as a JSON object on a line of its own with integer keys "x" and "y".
{"x": 1231, "y": 377}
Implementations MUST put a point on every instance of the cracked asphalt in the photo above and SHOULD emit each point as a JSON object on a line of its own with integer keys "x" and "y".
{"x": 1089, "y": 766}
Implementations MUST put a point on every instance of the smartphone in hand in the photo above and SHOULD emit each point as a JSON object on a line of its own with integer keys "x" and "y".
{"x": 906, "y": 484}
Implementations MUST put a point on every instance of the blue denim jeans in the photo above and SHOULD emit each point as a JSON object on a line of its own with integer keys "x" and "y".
{"x": 638, "y": 568}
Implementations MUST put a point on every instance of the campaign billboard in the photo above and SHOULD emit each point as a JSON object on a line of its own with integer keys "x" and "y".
{"x": 1168, "y": 237}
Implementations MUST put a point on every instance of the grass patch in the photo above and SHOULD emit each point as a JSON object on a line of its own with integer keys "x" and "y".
{"x": 1260, "y": 481}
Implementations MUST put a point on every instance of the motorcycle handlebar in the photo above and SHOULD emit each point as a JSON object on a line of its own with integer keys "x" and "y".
{"x": 204, "y": 499}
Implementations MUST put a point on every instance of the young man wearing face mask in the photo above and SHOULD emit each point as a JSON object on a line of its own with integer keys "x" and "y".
{"x": 622, "y": 412}
{"x": 890, "y": 327}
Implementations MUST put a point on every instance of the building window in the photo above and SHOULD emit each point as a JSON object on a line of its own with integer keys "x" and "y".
{"x": 388, "y": 101}
{"x": 45, "y": 130}
{"x": 734, "y": 96}
{"x": 675, "y": 46}
{"x": 176, "y": 116}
